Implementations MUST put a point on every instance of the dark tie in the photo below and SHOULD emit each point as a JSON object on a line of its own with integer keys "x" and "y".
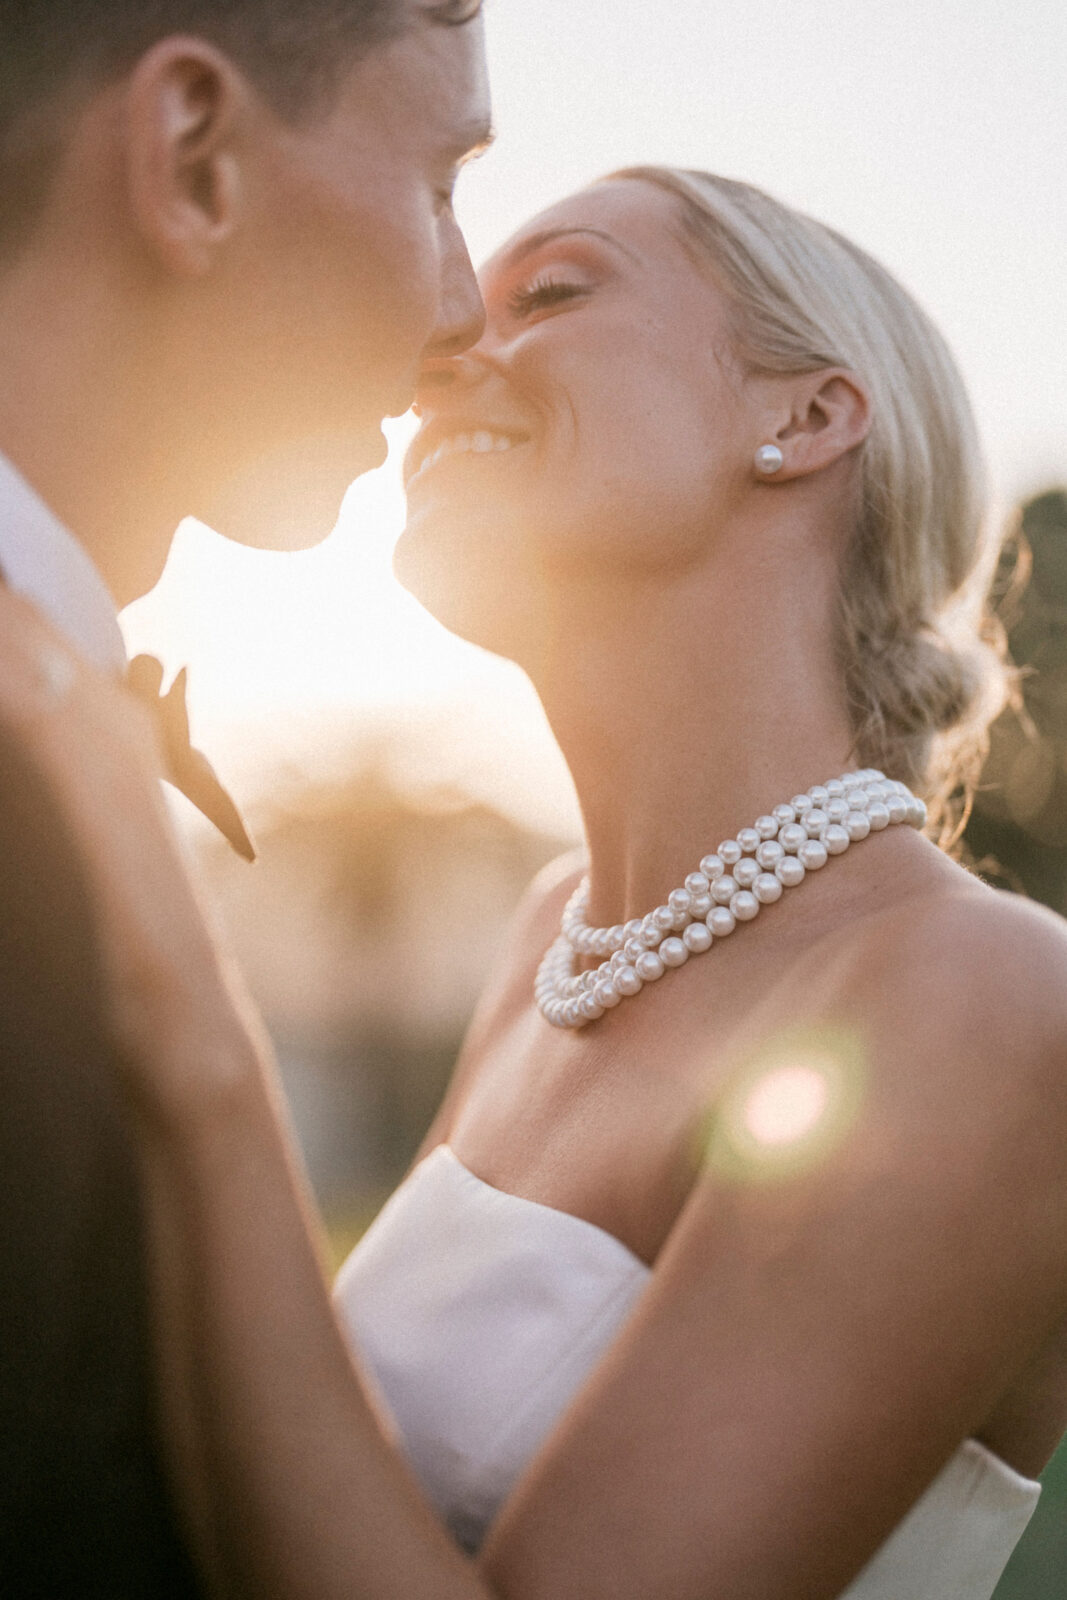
{"x": 185, "y": 767}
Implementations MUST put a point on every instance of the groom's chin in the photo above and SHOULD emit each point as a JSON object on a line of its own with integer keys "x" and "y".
{"x": 291, "y": 498}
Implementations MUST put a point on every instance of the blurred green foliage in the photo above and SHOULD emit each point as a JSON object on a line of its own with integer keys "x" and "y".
{"x": 1017, "y": 834}
{"x": 1017, "y": 837}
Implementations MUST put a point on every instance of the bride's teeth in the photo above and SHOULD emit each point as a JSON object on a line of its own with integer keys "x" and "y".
{"x": 482, "y": 443}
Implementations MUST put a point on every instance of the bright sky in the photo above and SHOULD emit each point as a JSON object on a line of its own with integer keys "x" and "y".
{"x": 934, "y": 134}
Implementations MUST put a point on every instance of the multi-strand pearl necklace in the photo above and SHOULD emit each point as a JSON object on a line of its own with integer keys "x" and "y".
{"x": 733, "y": 885}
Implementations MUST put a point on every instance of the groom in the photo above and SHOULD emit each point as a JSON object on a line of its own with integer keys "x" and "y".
{"x": 226, "y": 244}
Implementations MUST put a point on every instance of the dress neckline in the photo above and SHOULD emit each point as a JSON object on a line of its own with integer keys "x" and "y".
{"x": 567, "y": 1219}
{"x": 972, "y": 1448}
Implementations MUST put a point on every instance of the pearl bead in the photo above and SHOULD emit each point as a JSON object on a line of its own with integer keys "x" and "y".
{"x": 769, "y": 854}
{"x": 607, "y": 996}
{"x": 723, "y": 890}
{"x": 627, "y": 981}
{"x": 790, "y": 872}
{"x": 813, "y": 855}
{"x": 767, "y": 827}
{"x": 750, "y": 840}
{"x": 617, "y": 937}
{"x": 836, "y": 839}
{"x": 632, "y": 929}
{"x": 651, "y": 936}
{"x": 801, "y": 803}
{"x": 792, "y": 837}
{"x": 744, "y": 906}
{"x": 682, "y": 919}
{"x": 730, "y": 852}
{"x": 679, "y": 900}
{"x": 674, "y": 952}
{"x": 837, "y": 810}
{"x": 713, "y": 867}
{"x": 767, "y": 889}
{"x": 784, "y": 814}
{"x": 721, "y": 922}
{"x": 632, "y": 949}
{"x": 769, "y": 460}
{"x": 859, "y": 799}
{"x": 897, "y": 807}
{"x": 697, "y": 938}
{"x": 746, "y": 872}
{"x": 702, "y": 904}
{"x": 663, "y": 918}
{"x": 917, "y": 813}
{"x": 697, "y": 883}
{"x": 819, "y": 794}
{"x": 650, "y": 967}
{"x": 857, "y": 826}
{"x": 815, "y": 821}
{"x": 589, "y": 1009}
{"x": 877, "y": 816}
{"x": 835, "y": 788}
{"x": 572, "y": 1012}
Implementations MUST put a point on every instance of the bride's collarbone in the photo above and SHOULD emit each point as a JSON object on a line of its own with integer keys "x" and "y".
{"x": 606, "y": 1122}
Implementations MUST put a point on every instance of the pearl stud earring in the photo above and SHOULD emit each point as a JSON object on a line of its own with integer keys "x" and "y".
{"x": 769, "y": 460}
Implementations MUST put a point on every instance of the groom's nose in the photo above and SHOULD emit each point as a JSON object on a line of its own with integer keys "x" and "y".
{"x": 461, "y": 312}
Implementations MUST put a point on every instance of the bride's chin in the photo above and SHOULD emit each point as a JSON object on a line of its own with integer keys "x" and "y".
{"x": 463, "y": 595}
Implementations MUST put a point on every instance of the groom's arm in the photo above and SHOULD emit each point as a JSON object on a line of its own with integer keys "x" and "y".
{"x": 83, "y": 1510}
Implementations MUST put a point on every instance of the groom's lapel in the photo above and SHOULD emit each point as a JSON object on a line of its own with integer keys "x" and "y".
{"x": 185, "y": 767}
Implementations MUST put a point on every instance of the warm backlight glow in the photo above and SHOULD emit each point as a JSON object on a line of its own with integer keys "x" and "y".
{"x": 898, "y": 156}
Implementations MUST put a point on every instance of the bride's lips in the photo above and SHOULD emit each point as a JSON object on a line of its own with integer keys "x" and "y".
{"x": 443, "y": 440}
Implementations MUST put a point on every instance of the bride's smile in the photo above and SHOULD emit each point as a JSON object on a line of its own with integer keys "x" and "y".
{"x": 601, "y": 426}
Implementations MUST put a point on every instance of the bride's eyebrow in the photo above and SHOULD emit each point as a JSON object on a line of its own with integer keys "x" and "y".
{"x": 535, "y": 241}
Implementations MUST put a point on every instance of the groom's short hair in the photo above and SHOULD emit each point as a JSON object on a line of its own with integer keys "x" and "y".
{"x": 292, "y": 50}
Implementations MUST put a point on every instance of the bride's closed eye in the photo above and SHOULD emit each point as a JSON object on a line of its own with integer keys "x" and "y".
{"x": 543, "y": 293}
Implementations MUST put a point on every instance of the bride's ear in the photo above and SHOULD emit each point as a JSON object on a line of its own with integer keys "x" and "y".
{"x": 829, "y": 414}
{"x": 183, "y": 107}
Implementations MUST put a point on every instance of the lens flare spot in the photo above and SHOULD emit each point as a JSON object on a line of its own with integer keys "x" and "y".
{"x": 789, "y": 1108}
{"x": 786, "y": 1105}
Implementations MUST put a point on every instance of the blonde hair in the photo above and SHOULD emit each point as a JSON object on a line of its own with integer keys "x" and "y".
{"x": 922, "y": 661}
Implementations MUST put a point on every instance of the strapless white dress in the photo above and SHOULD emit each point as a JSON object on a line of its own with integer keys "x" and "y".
{"x": 480, "y": 1315}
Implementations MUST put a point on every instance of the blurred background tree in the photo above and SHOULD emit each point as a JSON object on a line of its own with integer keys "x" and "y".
{"x": 1017, "y": 837}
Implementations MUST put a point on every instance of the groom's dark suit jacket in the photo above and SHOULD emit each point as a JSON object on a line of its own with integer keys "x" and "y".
{"x": 84, "y": 1511}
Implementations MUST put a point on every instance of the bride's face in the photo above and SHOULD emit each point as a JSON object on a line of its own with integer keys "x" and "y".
{"x": 600, "y": 429}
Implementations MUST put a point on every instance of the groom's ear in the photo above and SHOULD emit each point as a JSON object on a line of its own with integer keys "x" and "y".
{"x": 184, "y": 106}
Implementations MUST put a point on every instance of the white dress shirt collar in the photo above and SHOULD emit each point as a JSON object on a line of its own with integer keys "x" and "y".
{"x": 40, "y": 559}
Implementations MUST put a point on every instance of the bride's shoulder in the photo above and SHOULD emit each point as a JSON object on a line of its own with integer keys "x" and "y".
{"x": 965, "y": 966}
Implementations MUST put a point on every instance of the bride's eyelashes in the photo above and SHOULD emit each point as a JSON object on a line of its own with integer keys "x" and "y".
{"x": 542, "y": 294}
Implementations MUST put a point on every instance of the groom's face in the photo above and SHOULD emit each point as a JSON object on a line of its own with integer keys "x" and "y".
{"x": 348, "y": 272}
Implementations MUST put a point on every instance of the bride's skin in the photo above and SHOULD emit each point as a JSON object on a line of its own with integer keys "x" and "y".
{"x": 811, "y": 1350}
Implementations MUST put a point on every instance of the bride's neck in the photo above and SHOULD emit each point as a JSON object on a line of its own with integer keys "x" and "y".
{"x": 685, "y": 713}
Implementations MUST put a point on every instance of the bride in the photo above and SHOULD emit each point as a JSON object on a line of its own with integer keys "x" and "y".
{"x": 736, "y": 1263}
